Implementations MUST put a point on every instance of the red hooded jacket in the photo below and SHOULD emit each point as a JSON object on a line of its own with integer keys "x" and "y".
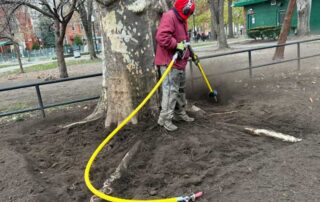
{"x": 172, "y": 30}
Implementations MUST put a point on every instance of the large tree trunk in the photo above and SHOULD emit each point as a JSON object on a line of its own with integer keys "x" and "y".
{"x": 217, "y": 14}
{"x": 129, "y": 73}
{"x": 85, "y": 15}
{"x": 279, "y": 54}
{"x": 59, "y": 36}
{"x": 303, "y": 9}
{"x": 244, "y": 30}
{"x": 230, "y": 19}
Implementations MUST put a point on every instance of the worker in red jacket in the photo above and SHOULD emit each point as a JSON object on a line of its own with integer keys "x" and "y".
{"x": 171, "y": 36}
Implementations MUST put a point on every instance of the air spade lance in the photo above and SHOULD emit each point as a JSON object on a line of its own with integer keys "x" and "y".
{"x": 213, "y": 93}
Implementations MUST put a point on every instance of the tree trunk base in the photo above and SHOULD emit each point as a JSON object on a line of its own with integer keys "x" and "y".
{"x": 98, "y": 113}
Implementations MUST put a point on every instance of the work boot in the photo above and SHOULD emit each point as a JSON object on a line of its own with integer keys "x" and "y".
{"x": 183, "y": 117}
{"x": 167, "y": 124}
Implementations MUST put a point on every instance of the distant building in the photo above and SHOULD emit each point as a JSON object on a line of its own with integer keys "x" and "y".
{"x": 75, "y": 28}
{"x": 22, "y": 28}
{"x": 263, "y": 13}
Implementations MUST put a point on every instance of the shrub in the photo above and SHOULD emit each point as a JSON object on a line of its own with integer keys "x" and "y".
{"x": 254, "y": 34}
{"x": 264, "y": 32}
{"x": 77, "y": 41}
{"x": 35, "y": 46}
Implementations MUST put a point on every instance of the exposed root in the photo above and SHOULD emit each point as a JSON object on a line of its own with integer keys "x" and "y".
{"x": 122, "y": 167}
{"x": 270, "y": 133}
{"x": 222, "y": 113}
{"x": 259, "y": 132}
{"x": 98, "y": 113}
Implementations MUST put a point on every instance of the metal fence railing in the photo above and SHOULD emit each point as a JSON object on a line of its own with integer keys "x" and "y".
{"x": 41, "y": 106}
{"x": 40, "y": 54}
{"x": 249, "y": 68}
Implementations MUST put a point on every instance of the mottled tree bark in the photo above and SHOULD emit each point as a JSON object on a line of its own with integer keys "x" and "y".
{"x": 279, "y": 54}
{"x": 128, "y": 29}
{"x": 303, "y": 9}
{"x": 217, "y": 14}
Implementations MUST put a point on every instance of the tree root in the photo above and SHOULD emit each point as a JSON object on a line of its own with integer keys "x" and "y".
{"x": 122, "y": 167}
{"x": 270, "y": 133}
{"x": 98, "y": 113}
{"x": 264, "y": 132}
{"x": 222, "y": 113}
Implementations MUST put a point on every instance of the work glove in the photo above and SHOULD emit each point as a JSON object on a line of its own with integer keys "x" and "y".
{"x": 181, "y": 47}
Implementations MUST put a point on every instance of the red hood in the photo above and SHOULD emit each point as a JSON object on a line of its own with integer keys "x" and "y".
{"x": 180, "y": 4}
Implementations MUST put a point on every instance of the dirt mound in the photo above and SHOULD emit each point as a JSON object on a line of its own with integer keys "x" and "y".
{"x": 212, "y": 154}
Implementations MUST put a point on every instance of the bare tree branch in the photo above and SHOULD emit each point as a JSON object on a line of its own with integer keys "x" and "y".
{"x": 24, "y": 3}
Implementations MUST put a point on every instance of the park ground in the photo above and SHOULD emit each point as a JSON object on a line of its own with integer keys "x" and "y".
{"x": 40, "y": 161}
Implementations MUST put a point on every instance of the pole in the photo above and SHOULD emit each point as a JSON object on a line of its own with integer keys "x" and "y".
{"x": 95, "y": 37}
{"x": 194, "y": 22}
{"x": 250, "y": 63}
{"x": 299, "y": 56}
{"x": 194, "y": 25}
{"x": 40, "y": 101}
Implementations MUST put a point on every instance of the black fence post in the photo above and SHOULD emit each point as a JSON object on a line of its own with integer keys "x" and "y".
{"x": 250, "y": 63}
{"x": 299, "y": 55}
{"x": 40, "y": 101}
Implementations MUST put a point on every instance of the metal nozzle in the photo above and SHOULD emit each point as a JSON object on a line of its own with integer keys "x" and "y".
{"x": 192, "y": 197}
{"x": 214, "y": 95}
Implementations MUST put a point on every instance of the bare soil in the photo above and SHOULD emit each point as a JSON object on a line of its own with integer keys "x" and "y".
{"x": 39, "y": 161}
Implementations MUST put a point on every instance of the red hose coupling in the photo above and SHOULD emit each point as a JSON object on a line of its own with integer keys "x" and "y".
{"x": 192, "y": 197}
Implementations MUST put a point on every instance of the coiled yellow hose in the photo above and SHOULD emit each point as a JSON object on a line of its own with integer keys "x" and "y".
{"x": 112, "y": 134}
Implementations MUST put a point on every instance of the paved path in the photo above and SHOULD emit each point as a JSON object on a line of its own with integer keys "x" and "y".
{"x": 27, "y": 64}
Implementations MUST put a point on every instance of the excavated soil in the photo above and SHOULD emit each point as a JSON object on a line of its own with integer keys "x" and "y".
{"x": 39, "y": 161}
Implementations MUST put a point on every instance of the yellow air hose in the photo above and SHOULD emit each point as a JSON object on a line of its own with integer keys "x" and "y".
{"x": 112, "y": 134}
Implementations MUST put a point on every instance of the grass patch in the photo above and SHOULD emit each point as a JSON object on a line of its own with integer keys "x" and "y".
{"x": 54, "y": 65}
{"x": 51, "y": 65}
{"x": 15, "y": 107}
{"x": 8, "y": 65}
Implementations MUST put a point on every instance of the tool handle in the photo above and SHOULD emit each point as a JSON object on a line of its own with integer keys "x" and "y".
{"x": 193, "y": 56}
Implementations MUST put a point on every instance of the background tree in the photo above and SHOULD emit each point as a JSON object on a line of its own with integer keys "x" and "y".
{"x": 304, "y": 12}
{"x": 217, "y": 13}
{"x": 279, "y": 53}
{"x": 230, "y": 20}
{"x": 47, "y": 35}
{"x": 202, "y": 15}
{"x": 8, "y": 29}
{"x": 60, "y": 11}
{"x": 85, "y": 10}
